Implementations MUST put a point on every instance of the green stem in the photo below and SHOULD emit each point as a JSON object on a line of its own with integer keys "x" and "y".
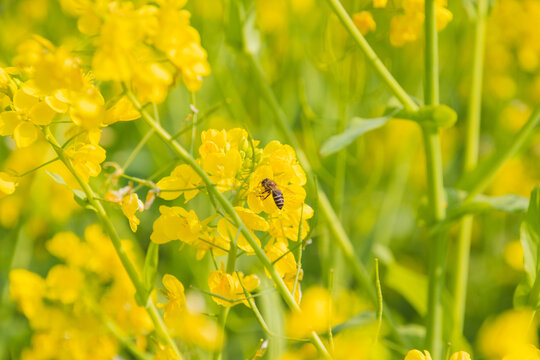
{"x": 371, "y": 56}
{"x": 459, "y": 288}
{"x": 340, "y": 236}
{"x": 137, "y": 149}
{"x": 228, "y": 207}
{"x": 436, "y": 194}
{"x": 115, "y": 239}
{"x": 38, "y": 167}
{"x": 224, "y": 313}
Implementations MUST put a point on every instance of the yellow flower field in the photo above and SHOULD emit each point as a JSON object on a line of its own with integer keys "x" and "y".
{"x": 250, "y": 179}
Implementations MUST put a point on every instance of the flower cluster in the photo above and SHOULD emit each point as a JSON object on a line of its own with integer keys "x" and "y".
{"x": 66, "y": 308}
{"x": 131, "y": 42}
{"x": 237, "y": 166}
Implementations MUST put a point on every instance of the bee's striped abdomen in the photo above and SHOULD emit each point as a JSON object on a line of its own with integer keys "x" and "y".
{"x": 278, "y": 198}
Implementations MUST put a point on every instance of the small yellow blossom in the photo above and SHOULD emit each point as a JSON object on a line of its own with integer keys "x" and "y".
{"x": 252, "y": 221}
{"x": 176, "y": 223}
{"x": 177, "y": 301}
{"x": 130, "y": 205}
{"x": 417, "y": 355}
{"x": 8, "y": 184}
{"x": 182, "y": 177}
{"x": 286, "y": 266}
{"x": 230, "y": 288}
{"x": 364, "y": 22}
{"x": 23, "y": 122}
{"x": 379, "y": 3}
{"x": 86, "y": 159}
{"x": 69, "y": 247}
{"x": 460, "y": 355}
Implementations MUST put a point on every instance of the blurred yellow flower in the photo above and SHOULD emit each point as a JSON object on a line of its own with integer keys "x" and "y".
{"x": 513, "y": 254}
{"x": 507, "y": 333}
{"x": 364, "y": 22}
{"x": 417, "y": 355}
{"x": 524, "y": 352}
{"x": 460, "y": 355}
{"x": 379, "y": 3}
{"x": 315, "y": 315}
{"x": 130, "y": 205}
{"x": 64, "y": 283}
{"x": 8, "y": 184}
{"x": 27, "y": 289}
{"x": 230, "y": 288}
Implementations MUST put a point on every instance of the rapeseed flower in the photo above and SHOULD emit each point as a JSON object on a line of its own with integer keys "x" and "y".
{"x": 130, "y": 205}
{"x": 86, "y": 159}
{"x": 8, "y": 184}
{"x": 230, "y": 287}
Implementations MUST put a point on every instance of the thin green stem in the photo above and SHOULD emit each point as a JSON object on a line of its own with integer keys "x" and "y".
{"x": 228, "y": 207}
{"x": 115, "y": 239}
{"x": 194, "y": 113}
{"x": 379, "y": 301}
{"x": 459, "y": 288}
{"x": 38, "y": 167}
{"x": 371, "y": 56}
{"x": 436, "y": 194}
{"x": 224, "y": 313}
{"x": 137, "y": 149}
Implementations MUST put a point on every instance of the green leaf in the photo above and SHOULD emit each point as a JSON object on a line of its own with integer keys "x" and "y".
{"x": 150, "y": 266}
{"x": 410, "y": 284}
{"x": 530, "y": 236}
{"x": 358, "y": 128}
{"x": 57, "y": 178}
{"x": 527, "y": 292}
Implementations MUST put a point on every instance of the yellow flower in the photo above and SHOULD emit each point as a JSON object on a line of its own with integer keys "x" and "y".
{"x": 286, "y": 265}
{"x": 86, "y": 159}
{"x": 229, "y": 287}
{"x": 286, "y": 226}
{"x": 130, "y": 205}
{"x": 523, "y": 352}
{"x": 182, "y": 177}
{"x": 165, "y": 353}
{"x": 230, "y": 232}
{"x": 27, "y": 289}
{"x": 23, "y": 122}
{"x": 68, "y": 247}
{"x": 417, "y": 355}
{"x": 177, "y": 301}
{"x": 64, "y": 283}
{"x": 507, "y": 333}
{"x": 8, "y": 184}
{"x": 379, "y": 3}
{"x": 513, "y": 254}
{"x": 364, "y": 22}
{"x": 315, "y": 315}
{"x": 460, "y": 355}
{"x": 176, "y": 223}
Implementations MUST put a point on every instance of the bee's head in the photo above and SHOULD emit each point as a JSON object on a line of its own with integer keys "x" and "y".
{"x": 265, "y": 181}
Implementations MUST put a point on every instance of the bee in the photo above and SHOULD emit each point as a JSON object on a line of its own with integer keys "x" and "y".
{"x": 270, "y": 187}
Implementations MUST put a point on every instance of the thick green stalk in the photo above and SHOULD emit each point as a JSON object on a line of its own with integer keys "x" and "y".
{"x": 229, "y": 209}
{"x": 470, "y": 160}
{"x": 115, "y": 239}
{"x": 436, "y": 194}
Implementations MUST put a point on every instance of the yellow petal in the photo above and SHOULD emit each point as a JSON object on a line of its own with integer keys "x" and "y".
{"x": 56, "y": 104}
{"x": 24, "y": 101}
{"x": 460, "y": 355}
{"x": 8, "y": 184}
{"x": 25, "y": 134}
{"x": 42, "y": 114}
{"x": 8, "y": 122}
